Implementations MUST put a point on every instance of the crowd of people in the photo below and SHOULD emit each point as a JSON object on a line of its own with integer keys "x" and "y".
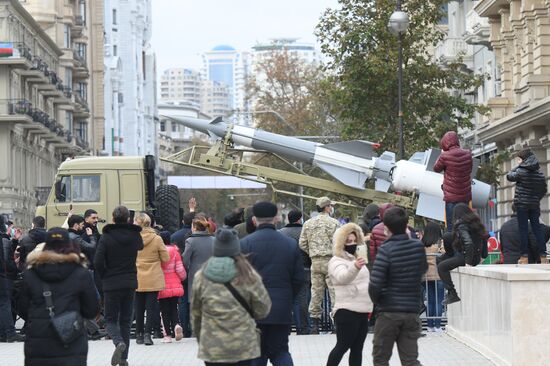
{"x": 240, "y": 287}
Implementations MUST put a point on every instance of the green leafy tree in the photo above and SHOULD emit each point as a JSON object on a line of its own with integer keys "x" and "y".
{"x": 362, "y": 67}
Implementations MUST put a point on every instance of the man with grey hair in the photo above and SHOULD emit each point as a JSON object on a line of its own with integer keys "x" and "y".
{"x": 316, "y": 241}
{"x": 277, "y": 259}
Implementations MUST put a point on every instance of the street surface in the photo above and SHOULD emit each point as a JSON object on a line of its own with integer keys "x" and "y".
{"x": 435, "y": 350}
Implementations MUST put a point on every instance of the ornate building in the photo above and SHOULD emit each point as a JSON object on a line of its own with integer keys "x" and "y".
{"x": 76, "y": 26}
{"x": 520, "y": 114}
{"x": 35, "y": 135}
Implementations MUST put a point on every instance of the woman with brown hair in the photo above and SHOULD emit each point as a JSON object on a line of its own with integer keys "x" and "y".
{"x": 150, "y": 277}
{"x": 198, "y": 248}
{"x": 228, "y": 297}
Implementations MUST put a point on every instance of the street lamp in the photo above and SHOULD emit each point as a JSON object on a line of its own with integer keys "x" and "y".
{"x": 398, "y": 24}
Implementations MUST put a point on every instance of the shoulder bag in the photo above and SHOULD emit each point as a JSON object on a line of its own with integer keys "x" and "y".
{"x": 69, "y": 325}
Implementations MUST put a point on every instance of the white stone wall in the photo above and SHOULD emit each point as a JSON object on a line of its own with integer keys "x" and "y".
{"x": 131, "y": 35}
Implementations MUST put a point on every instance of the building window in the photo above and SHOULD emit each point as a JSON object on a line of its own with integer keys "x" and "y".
{"x": 81, "y": 49}
{"x": 82, "y": 130}
{"x": 174, "y": 126}
{"x": 162, "y": 126}
{"x": 69, "y": 120}
{"x": 82, "y": 10}
{"x": 86, "y": 188}
{"x": 68, "y": 77}
{"x": 114, "y": 17}
{"x": 82, "y": 90}
{"x": 66, "y": 36}
{"x": 115, "y": 51}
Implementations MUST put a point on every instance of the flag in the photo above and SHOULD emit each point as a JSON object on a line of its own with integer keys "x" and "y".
{"x": 6, "y": 49}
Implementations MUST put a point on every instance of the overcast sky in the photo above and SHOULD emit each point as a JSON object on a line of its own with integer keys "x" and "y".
{"x": 182, "y": 29}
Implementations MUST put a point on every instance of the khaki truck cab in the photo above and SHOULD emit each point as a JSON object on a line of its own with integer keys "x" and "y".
{"x": 102, "y": 183}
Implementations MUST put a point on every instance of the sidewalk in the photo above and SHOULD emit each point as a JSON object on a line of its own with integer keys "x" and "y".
{"x": 435, "y": 350}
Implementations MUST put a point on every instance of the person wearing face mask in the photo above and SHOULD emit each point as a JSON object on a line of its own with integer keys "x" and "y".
{"x": 316, "y": 241}
{"x": 350, "y": 278}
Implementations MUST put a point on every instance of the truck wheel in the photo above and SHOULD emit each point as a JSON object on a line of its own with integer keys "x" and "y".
{"x": 168, "y": 207}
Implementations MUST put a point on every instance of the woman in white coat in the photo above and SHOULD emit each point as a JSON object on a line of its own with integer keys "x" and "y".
{"x": 350, "y": 278}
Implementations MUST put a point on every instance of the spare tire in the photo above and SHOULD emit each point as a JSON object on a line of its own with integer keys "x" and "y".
{"x": 168, "y": 207}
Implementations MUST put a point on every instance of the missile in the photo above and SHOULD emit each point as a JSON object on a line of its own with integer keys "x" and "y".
{"x": 352, "y": 163}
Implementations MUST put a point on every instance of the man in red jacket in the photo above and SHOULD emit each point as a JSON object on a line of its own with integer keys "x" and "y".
{"x": 457, "y": 182}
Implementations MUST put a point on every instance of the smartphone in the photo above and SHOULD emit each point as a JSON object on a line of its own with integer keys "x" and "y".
{"x": 362, "y": 252}
{"x": 132, "y": 214}
{"x": 70, "y": 207}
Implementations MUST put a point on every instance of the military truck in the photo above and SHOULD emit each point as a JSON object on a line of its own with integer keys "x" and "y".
{"x": 102, "y": 183}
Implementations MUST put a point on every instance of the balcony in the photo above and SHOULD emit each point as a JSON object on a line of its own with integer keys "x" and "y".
{"x": 39, "y": 72}
{"x": 78, "y": 26}
{"x": 80, "y": 67}
{"x": 81, "y": 107}
{"x": 478, "y": 30}
{"x": 451, "y": 50}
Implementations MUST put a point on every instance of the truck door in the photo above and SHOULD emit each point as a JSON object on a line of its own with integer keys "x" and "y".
{"x": 132, "y": 191}
{"x": 79, "y": 191}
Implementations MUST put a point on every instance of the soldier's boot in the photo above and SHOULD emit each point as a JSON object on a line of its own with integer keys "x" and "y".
{"x": 314, "y": 326}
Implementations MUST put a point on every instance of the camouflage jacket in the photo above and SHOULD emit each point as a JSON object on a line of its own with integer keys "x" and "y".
{"x": 316, "y": 237}
{"x": 226, "y": 333}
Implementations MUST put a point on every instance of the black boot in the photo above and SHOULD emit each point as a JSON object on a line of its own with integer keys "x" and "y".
{"x": 314, "y": 326}
{"x": 139, "y": 338}
{"x": 451, "y": 297}
{"x": 147, "y": 340}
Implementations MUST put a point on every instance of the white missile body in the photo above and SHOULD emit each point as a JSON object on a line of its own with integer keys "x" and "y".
{"x": 350, "y": 162}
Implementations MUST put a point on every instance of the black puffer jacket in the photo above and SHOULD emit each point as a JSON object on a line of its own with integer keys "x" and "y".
{"x": 72, "y": 290}
{"x": 30, "y": 241}
{"x": 530, "y": 183}
{"x": 396, "y": 277}
{"x": 115, "y": 256}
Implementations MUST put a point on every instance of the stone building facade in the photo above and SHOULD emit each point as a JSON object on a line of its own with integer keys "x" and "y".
{"x": 520, "y": 114}
{"x": 34, "y": 135}
{"x": 76, "y": 26}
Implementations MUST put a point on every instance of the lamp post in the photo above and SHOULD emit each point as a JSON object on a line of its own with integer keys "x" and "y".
{"x": 398, "y": 24}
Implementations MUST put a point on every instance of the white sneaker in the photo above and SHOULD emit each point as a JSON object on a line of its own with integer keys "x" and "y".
{"x": 439, "y": 330}
{"x": 167, "y": 339}
{"x": 431, "y": 329}
{"x": 178, "y": 331}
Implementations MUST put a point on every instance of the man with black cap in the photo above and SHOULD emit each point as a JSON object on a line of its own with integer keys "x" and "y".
{"x": 316, "y": 240}
{"x": 278, "y": 260}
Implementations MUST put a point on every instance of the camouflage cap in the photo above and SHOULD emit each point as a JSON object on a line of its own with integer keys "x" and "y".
{"x": 324, "y": 201}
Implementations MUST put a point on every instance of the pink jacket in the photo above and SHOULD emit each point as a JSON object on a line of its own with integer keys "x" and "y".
{"x": 174, "y": 274}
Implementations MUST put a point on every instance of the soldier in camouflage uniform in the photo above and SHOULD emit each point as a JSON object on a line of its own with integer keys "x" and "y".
{"x": 225, "y": 330}
{"x": 316, "y": 240}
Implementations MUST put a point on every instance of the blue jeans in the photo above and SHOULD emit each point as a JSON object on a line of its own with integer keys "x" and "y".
{"x": 436, "y": 292}
{"x": 274, "y": 345}
{"x": 524, "y": 217}
{"x": 183, "y": 309}
{"x": 449, "y": 207}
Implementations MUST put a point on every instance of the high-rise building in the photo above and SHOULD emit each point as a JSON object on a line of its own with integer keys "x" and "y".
{"x": 216, "y": 99}
{"x": 77, "y": 28}
{"x": 303, "y": 51}
{"x": 35, "y": 135}
{"x": 130, "y": 85}
{"x": 225, "y": 65}
{"x": 181, "y": 84}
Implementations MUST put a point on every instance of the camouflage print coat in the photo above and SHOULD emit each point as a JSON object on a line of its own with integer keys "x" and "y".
{"x": 316, "y": 237}
{"x": 225, "y": 331}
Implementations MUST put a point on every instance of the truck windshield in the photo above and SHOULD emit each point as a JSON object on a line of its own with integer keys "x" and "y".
{"x": 78, "y": 188}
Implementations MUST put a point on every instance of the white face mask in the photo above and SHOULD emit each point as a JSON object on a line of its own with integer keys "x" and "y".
{"x": 331, "y": 213}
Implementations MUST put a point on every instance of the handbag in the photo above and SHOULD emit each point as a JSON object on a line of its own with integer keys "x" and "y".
{"x": 68, "y": 326}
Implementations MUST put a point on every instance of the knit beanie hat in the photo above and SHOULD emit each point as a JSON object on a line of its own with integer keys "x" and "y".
{"x": 524, "y": 154}
{"x": 226, "y": 243}
{"x": 371, "y": 211}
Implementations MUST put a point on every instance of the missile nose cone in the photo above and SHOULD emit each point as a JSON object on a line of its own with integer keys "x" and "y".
{"x": 201, "y": 125}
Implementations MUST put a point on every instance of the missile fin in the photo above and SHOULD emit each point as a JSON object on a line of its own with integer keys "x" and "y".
{"x": 432, "y": 207}
{"x": 348, "y": 177}
{"x": 359, "y": 148}
{"x": 216, "y": 120}
{"x": 382, "y": 185}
